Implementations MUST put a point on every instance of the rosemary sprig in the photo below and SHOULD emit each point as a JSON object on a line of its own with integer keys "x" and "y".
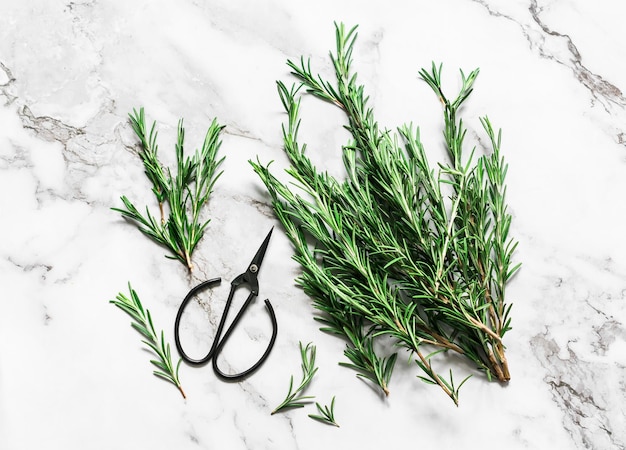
{"x": 400, "y": 249}
{"x": 185, "y": 192}
{"x": 143, "y": 324}
{"x": 326, "y": 414}
{"x": 295, "y": 398}
{"x": 363, "y": 358}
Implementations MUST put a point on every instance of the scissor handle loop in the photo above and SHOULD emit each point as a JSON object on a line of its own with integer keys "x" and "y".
{"x": 204, "y": 285}
{"x": 220, "y": 346}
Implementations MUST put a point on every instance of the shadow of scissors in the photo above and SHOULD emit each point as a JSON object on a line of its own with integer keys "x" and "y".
{"x": 250, "y": 279}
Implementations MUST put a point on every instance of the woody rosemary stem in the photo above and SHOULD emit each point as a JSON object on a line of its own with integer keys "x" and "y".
{"x": 162, "y": 213}
{"x": 506, "y": 375}
{"x": 180, "y": 388}
{"x": 188, "y": 261}
{"x": 433, "y": 375}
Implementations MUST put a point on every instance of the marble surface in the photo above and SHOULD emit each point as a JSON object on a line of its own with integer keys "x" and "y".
{"x": 73, "y": 373}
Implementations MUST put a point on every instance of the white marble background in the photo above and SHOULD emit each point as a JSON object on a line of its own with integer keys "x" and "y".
{"x": 73, "y": 374}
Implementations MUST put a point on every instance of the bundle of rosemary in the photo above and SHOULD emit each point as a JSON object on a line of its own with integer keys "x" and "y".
{"x": 400, "y": 249}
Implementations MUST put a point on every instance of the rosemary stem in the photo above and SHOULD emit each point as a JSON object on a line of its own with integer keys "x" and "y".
{"x": 478, "y": 324}
{"x": 188, "y": 261}
{"x": 444, "y": 250}
{"x": 494, "y": 363}
{"x": 433, "y": 375}
{"x": 180, "y": 388}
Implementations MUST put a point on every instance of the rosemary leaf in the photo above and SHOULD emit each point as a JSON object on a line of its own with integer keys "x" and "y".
{"x": 185, "y": 193}
{"x": 401, "y": 248}
{"x": 326, "y": 414}
{"x": 143, "y": 324}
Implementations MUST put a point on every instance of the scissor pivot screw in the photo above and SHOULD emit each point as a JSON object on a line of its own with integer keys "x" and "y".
{"x": 254, "y": 268}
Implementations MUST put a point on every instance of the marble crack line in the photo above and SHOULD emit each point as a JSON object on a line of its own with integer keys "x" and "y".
{"x": 597, "y": 85}
{"x": 19, "y": 159}
{"x": 192, "y": 434}
{"x": 577, "y": 403}
{"x": 606, "y": 334}
{"x": 71, "y": 6}
{"x": 569, "y": 392}
{"x": 238, "y": 132}
{"x": 48, "y": 128}
{"x": 4, "y": 87}
{"x": 264, "y": 208}
{"x": 594, "y": 83}
{"x": 43, "y": 268}
{"x": 8, "y": 73}
{"x": 233, "y": 130}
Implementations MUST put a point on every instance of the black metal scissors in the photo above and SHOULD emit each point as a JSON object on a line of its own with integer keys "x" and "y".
{"x": 248, "y": 278}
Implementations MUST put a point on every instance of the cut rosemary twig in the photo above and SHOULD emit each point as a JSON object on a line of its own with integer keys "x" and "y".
{"x": 143, "y": 324}
{"x": 185, "y": 193}
{"x": 294, "y": 398}
{"x": 326, "y": 414}
{"x": 400, "y": 249}
{"x": 367, "y": 363}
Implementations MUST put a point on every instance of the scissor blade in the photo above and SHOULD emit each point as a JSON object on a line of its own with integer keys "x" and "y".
{"x": 260, "y": 254}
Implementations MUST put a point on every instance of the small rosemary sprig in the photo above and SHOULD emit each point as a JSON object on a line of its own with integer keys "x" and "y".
{"x": 364, "y": 360}
{"x": 294, "y": 398}
{"x": 186, "y": 192}
{"x": 326, "y": 414}
{"x": 143, "y": 324}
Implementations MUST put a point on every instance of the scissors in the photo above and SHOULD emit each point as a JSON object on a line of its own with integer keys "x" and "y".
{"x": 250, "y": 279}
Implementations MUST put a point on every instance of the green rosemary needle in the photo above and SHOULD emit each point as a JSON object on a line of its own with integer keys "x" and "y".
{"x": 143, "y": 324}
{"x": 326, "y": 414}
{"x": 399, "y": 249}
{"x": 186, "y": 192}
{"x": 294, "y": 398}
